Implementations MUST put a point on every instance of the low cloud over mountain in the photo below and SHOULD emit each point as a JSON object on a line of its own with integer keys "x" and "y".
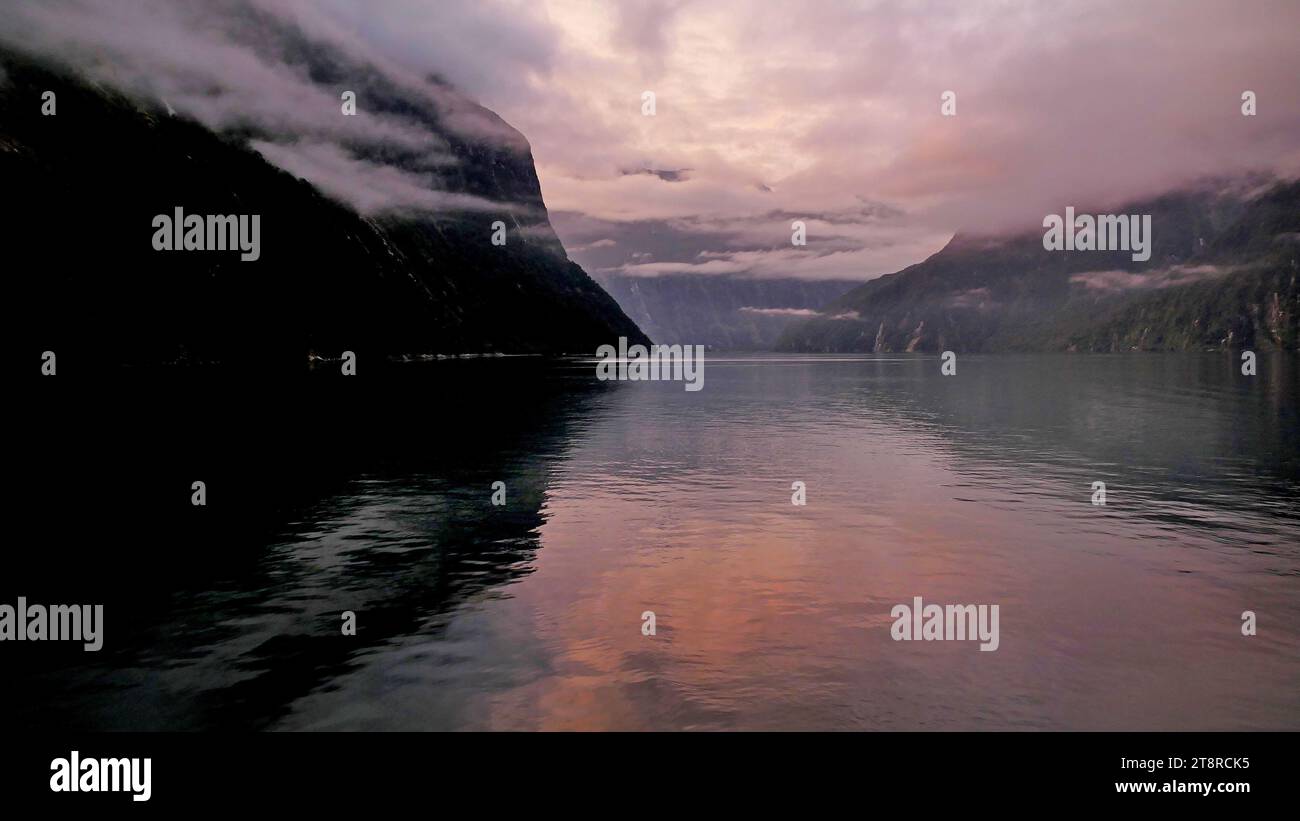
{"x": 801, "y": 112}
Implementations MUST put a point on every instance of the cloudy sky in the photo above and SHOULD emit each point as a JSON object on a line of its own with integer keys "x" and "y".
{"x": 767, "y": 112}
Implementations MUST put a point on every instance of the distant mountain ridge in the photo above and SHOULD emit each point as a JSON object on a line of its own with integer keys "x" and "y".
{"x": 81, "y": 188}
{"x": 1223, "y": 273}
{"x": 722, "y": 311}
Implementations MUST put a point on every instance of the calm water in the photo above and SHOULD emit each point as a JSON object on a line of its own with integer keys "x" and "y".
{"x": 624, "y": 498}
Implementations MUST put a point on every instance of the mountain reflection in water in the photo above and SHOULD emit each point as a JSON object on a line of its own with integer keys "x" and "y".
{"x": 374, "y": 495}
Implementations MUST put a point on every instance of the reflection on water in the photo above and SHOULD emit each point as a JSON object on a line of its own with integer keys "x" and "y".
{"x": 624, "y": 498}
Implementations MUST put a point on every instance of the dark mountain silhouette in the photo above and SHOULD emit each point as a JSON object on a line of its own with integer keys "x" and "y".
{"x": 81, "y": 189}
{"x": 1223, "y": 273}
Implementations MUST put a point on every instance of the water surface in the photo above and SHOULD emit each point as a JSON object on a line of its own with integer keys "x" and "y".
{"x": 633, "y": 497}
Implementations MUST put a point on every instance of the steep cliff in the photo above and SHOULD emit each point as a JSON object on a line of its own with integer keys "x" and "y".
{"x": 81, "y": 189}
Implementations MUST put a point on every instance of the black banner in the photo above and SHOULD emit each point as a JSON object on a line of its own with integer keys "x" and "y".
{"x": 1214, "y": 772}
